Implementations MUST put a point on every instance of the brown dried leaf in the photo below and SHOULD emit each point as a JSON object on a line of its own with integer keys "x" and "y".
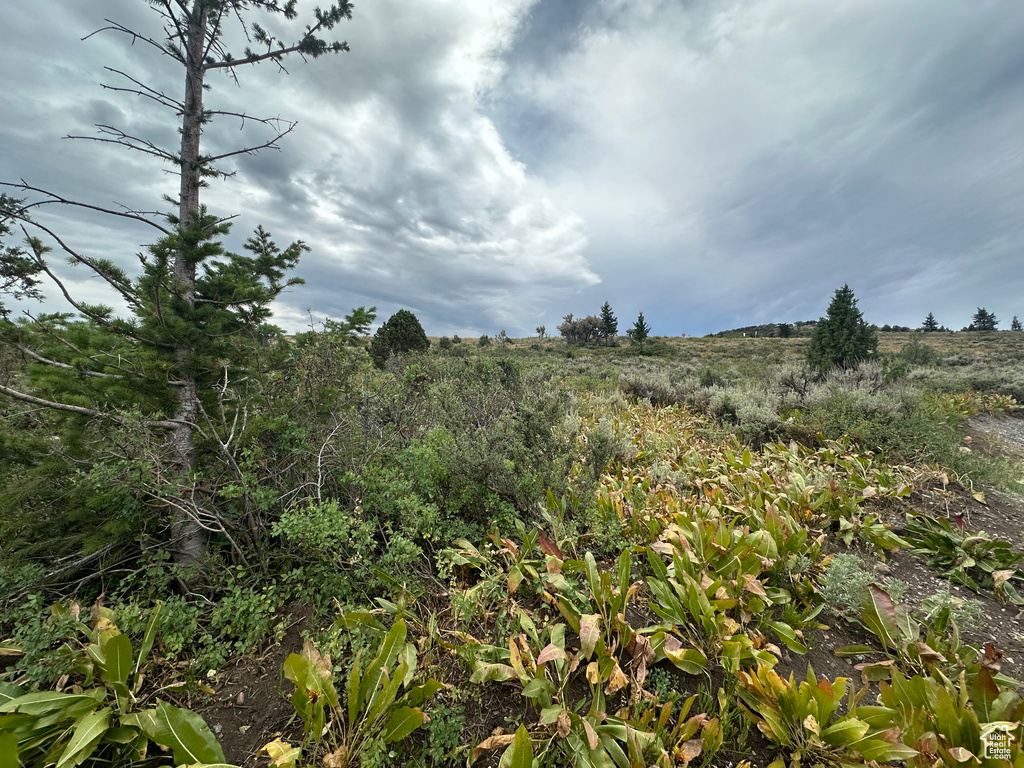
{"x": 563, "y": 725}
{"x": 616, "y": 682}
{"x": 491, "y": 742}
{"x": 1001, "y": 577}
{"x": 688, "y": 751}
{"x": 752, "y": 584}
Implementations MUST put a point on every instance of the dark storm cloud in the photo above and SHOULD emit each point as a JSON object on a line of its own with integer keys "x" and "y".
{"x": 737, "y": 161}
{"x": 393, "y": 175}
{"x": 496, "y": 165}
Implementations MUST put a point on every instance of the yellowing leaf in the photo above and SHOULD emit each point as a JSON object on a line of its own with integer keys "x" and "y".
{"x": 1001, "y": 577}
{"x": 282, "y": 754}
{"x": 616, "y": 682}
{"x": 491, "y": 742}
{"x": 590, "y": 633}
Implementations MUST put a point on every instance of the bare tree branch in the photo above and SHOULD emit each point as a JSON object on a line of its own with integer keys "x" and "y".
{"x": 271, "y": 144}
{"x": 57, "y": 364}
{"x": 143, "y": 90}
{"x": 127, "y": 140}
{"x": 114, "y": 26}
{"x": 82, "y": 411}
{"x": 58, "y": 200}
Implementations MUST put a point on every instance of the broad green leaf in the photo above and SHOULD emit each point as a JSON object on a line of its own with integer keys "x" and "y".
{"x": 520, "y": 752}
{"x": 409, "y": 658}
{"x": 403, "y": 722}
{"x": 845, "y": 732}
{"x": 117, "y": 650}
{"x": 855, "y": 650}
{"x": 147, "y": 640}
{"x": 515, "y": 578}
{"x": 593, "y": 576}
{"x": 185, "y": 733}
{"x": 120, "y": 735}
{"x": 9, "y": 750}
{"x": 145, "y": 721}
{"x": 361, "y": 618}
{"x": 690, "y": 660}
{"x": 421, "y": 693}
{"x": 41, "y": 702}
{"x": 353, "y": 689}
{"x": 8, "y": 692}
{"x": 788, "y": 636}
{"x": 392, "y": 643}
{"x": 87, "y": 733}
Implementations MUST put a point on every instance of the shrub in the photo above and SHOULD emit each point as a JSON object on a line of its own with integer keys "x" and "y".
{"x": 401, "y": 333}
{"x": 917, "y": 352}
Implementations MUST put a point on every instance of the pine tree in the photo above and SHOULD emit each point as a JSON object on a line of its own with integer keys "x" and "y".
{"x": 841, "y": 338}
{"x": 609, "y": 323}
{"x": 353, "y": 328}
{"x": 639, "y": 332}
{"x": 930, "y": 323}
{"x": 1015, "y": 324}
{"x": 19, "y": 274}
{"x": 401, "y": 334}
{"x": 785, "y": 330}
{"x": 983, "y": 320}
{"x": 198, "y": 314}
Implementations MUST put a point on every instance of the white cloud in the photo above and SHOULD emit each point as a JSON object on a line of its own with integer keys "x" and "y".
{"x": 395, "y": 175}
{"x": 745, "y": 158}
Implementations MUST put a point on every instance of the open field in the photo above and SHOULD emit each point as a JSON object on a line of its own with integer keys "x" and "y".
{"x": 579, "y": 556}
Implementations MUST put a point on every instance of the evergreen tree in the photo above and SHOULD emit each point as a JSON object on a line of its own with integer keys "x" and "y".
{"x": 785, "y": 330}
{"x": 983, "y": 321}
{"x": 19, "y": 274}
{"x": 1015, "y": 324}
{"x": 930, "y": 323}
{"x": 841, "y": 338}
{"x": 353, "y": 328}
{"x": 198, "y": 314}
{"x": 639, "y": 332}
{"x": 609, "y": 323}
{"x": 402, "y": 333}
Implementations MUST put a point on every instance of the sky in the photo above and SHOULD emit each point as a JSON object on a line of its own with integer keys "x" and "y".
{"x": 496, "y": 165}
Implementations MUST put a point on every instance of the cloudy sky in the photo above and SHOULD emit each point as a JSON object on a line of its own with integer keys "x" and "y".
{"x": 496, "y": 164}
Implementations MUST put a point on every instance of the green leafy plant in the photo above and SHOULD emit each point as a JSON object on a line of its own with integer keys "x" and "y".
{"x": 946, "y": 723}
{"x": 709, "y": 604}
{"x": 105, "y": 718}
{"x": 807, "y": 721}
{"x": 938, "y": 651}
{"x": 974, "y": 560}
{"x": 380, "y": 703}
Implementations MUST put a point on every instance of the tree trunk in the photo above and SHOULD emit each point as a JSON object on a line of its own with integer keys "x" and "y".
{"x": 190, "y": 537}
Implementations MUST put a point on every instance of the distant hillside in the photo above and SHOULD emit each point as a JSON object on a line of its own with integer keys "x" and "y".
{"x": 769, "y": 330}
